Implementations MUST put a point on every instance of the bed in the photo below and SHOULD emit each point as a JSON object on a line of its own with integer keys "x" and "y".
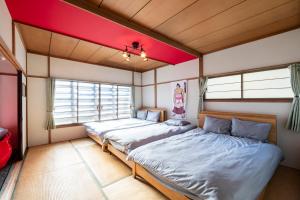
{"x": 211, "y": 166}
{"x": 97, "y": 130}
{"x": 122, "y": 142}
{"x": 126, "y": 140}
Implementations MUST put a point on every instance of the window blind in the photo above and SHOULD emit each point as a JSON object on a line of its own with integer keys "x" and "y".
{"x": 227, "y": 87}
{"x": 88, "y": 102}
{"x": 124, "y": 101}
{"x": 267, "y": 84}
{"x": 65, "y": 103}
{"x": 78, "y": 102}
{"x": 108, "y": 102}
{"x": 273, "y": 83}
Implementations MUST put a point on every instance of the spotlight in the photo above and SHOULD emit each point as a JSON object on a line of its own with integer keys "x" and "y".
{"x": 143, "y": 54}
{"x": 3, "y": 58}
{"x": 125, "y": 54}
{"x": 128, "y": 57}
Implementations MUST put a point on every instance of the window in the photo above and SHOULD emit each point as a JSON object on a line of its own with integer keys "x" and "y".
{"x": 109, "y": 102}
{"x": 78, "y": 102}
{"x": 251, "y": 85}
{"x": 88, "y": 102}
{"x": 227, "y": 87}
{"x": 267, "y": 84}
{"x": 124, "y": 101}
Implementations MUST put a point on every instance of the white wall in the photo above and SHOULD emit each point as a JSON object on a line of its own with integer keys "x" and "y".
{"x": 20, "y": 50}
{"x": 275, "y": 50}
{"x": 61, "y": 68}
{"x": 278, "y": 49}
{"x": 186, "y": 70}
{"x": 5, "y": 25}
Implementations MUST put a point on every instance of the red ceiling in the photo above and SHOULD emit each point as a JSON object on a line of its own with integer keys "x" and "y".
{"x": 61, "y": 17}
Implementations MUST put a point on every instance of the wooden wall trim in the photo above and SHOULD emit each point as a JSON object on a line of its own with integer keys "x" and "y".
{"x": 13, "y": 38}
{"x": 201, "y": 68}
{"x": 155, "y": 88}
{"x": 86, "y": 62}
{"x": 262, "y": 100}
{"x": 70, "y": 79}
{"x": 120, "y": 20}
{"x": 188, "y": 79}
{"x": 9, "y": 56}
{"x": 26, "y": 102}
{"x": 7, "y": 74}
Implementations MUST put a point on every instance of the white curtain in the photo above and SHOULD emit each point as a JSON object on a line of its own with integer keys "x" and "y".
{"x": 132, "y": 101}
{"x": 202, "y": 90}
{"x": 50, "y": 123}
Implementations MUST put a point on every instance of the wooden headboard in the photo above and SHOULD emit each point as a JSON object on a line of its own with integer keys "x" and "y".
{"x": 163, "y": 112}
{"x": 244, "y": 116}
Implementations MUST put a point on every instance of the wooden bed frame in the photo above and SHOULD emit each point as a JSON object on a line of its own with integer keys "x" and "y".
{"x": 163, "y": 117}
{"x": 138, "y": 170}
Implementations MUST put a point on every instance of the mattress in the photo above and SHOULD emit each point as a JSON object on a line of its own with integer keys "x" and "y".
{"x": 101, "y": 128}
{"x": 212, "y": 166}
{"x": 126, "y": 140}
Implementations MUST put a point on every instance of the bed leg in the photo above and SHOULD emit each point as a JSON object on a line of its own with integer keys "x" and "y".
{"x": 104, "y": 147}
{"x": 134, "y": 170}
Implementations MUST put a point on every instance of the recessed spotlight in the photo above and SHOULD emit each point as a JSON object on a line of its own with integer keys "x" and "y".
{"x": 3, "y": 58}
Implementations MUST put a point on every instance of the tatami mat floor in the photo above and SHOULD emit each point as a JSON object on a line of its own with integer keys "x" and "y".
{"x": 79, "y": 169}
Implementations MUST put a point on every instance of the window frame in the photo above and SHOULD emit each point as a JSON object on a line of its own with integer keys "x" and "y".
{"x": 99, "y": 107}
{"x": 242, "y": 99}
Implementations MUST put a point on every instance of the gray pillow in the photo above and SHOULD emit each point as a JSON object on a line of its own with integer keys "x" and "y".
{"x": 141, "y": 114}
{"x": 250, "y": 129}
{"x": 217, "y": 125}
{"x": 3, "y": 132}
{"x": 153, "y": 116}
{"x": 177, "y": 122}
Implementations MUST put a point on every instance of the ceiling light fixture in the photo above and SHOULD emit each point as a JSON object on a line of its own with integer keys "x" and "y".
{"x": 136, "y": 47}
{"x": 3, "y": 58}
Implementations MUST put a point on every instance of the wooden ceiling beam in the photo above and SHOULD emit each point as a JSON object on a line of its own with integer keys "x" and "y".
{"x": 120, "y": 20}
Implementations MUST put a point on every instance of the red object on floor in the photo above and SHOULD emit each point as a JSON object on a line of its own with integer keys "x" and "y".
{"x": 5, "y": 150}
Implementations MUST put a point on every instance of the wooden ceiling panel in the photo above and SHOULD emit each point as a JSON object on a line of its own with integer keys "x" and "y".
{"x": 101, "y": 54}
{"x": 198, "y": 12}
{"x": 266, "y": 18}
{"x": 36, "y": 40}
{"x": 261, "y": 32}
{"x": 157, "y": 11}
{"x": 235, "y": 15}
{"x": 97, "y": 3}
{"x": 124, "y": 8}
{"x": 62, "y": 45}
{"x": 84, "y": 50}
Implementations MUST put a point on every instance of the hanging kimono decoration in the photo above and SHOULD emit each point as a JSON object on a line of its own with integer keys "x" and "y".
{"x": 179, "y": 92}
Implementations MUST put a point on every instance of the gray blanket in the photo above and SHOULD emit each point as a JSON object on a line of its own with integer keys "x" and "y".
{"x": 210, "y": 166}
{"x": 126, "y": 140}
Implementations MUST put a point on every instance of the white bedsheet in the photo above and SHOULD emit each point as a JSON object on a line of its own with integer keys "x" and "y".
{"x": 101, "y": 128}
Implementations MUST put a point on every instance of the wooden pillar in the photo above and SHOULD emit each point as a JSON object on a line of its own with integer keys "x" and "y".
{"x": 155, "y": 88}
